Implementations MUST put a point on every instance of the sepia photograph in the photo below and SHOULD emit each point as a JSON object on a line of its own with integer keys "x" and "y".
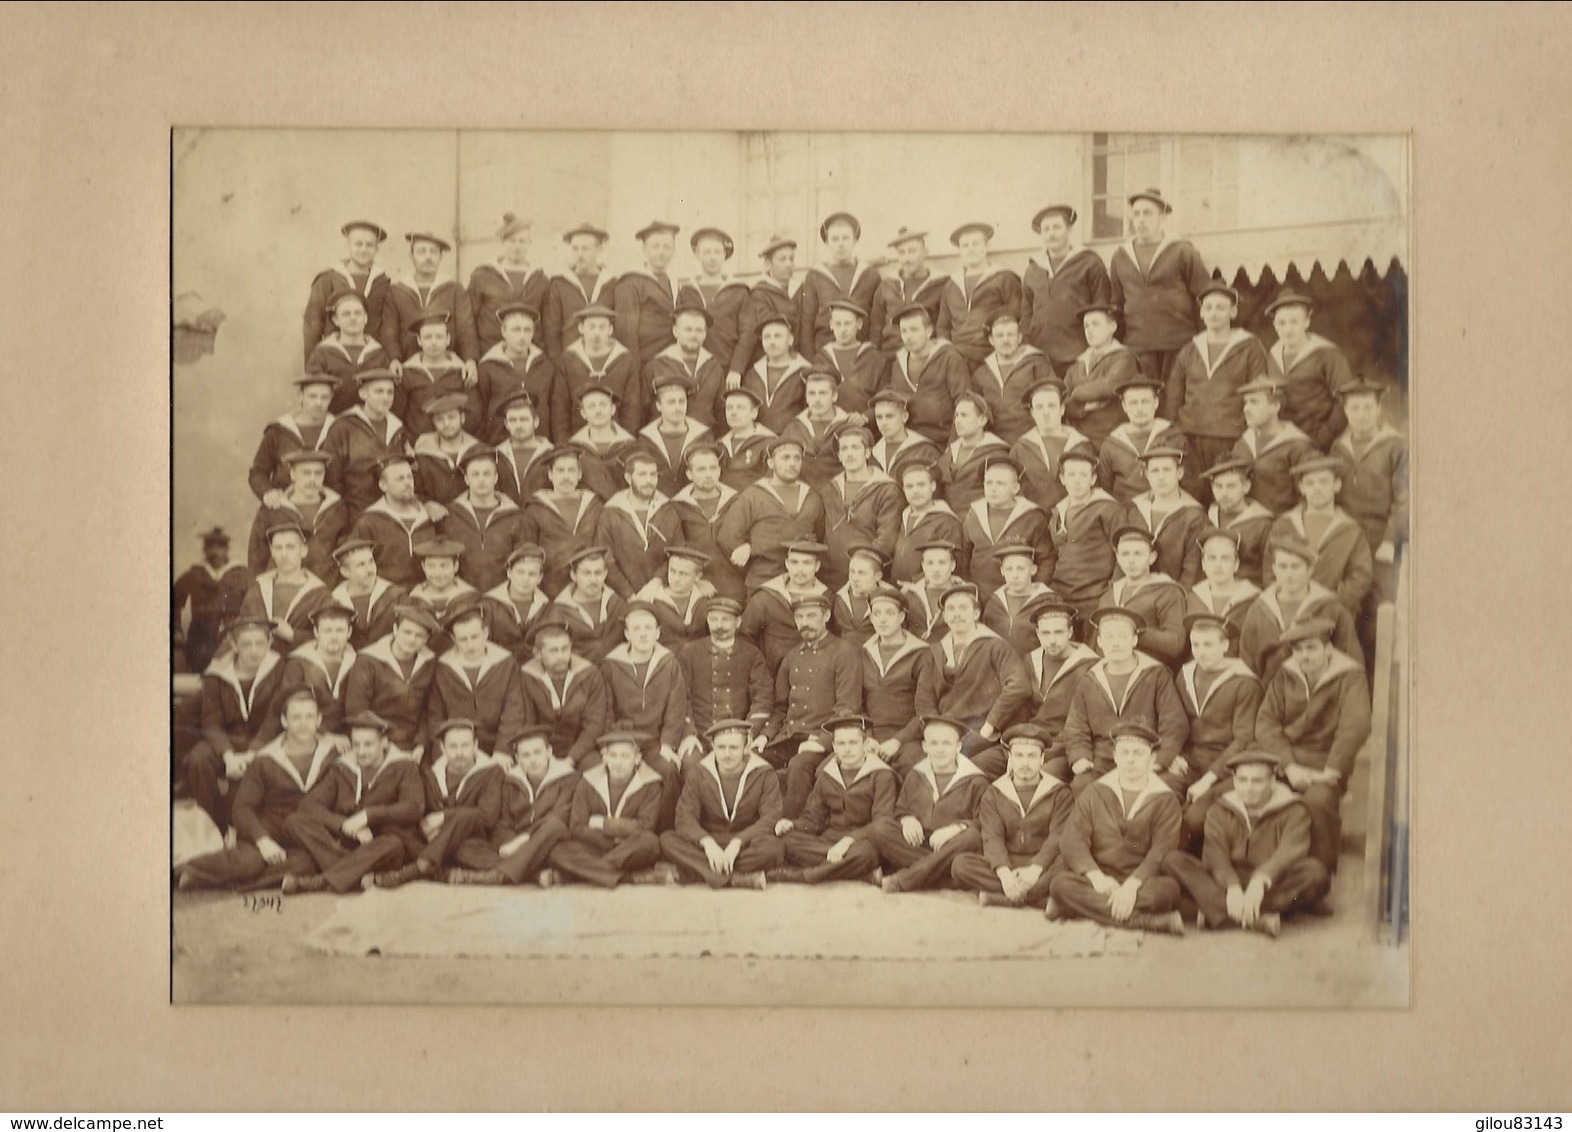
{"x": 790, "y": 568}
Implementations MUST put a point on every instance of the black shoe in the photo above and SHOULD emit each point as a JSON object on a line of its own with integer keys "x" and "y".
{"x": 295, "y": 883}
{"x": 399, "y": 877}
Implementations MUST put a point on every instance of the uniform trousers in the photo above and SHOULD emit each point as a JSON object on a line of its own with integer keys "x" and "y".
{"x": 605, "y": 862}
{"x": 460, "y": 826}
{"x": 757, "y": 856}
{"x": 1303, "y": 882}
{"x": 521, "y": 865}
{"x": 344, "y": 867}
{"x": 1325, "y": 804}
{"x": 797, "y": 769}
{"x": 809, "y": 852}
{"x": 205, "y": 779}
{"x": 243, "y": 867}
{"x": 1077, "y": 898}
{"x": 920, "y": 867}
{"x": 972, "y": 872}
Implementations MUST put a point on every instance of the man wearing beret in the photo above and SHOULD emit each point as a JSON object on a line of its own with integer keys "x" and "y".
{"x": 1344, "y": 563}
{"x": 678, "y": 596}
{"x": 237, "y": 690}
{"x": 1000, "y": 518}
{"x": 598, "y": 360}
{"x": 612, "y": 823}
{"x": 478, "y": 680}
{"x": 1012, "y": 368}
{"x": 489, "y": 527}
{"x": 592, "y": 610}
{"x": 818, "y": 425}
{"x": 1310, "y": 369}
{"x": 819, "y": 679}
{"x": 1156, "y": 279}
{"x": 851, "y": 607}
{"x": 604, "y": 441}
{"x": 925, "y": 520}
{"x": 322, "y": 666}
{"x": 396, "y": 522}
{"x": 521, "y": 465}
{"x": 1203, "y": 387}
{"x": 429, "y": 291}
{"x": 508, "y": 281}
{"x": 842, "y": 276}
{"x": 1374, "y": 492}
{"x": 853, "y": 801}
{"x": 1272, "y": 446}
{"x": 1095, "y": 377}
{"x": 1315, "y": 718}
{"x": 513, "y": 365}
{"x": 1123, "y": 454}
{"x": 726, "y": 677}
{"x": 443, "y": 592}
{"x": 304, "y": 428}
{"x": 1255, "y": 865}
{"x": 929, "y": 372}
{"x": 439, "y": 453}
{"x": 308, "y": 503}
{"x": 463, "y": 804}
{"x": 1057, "y": 284}
{"x": 727, "y": 813}
{"x": 1236, "y": 514}
{"x": 1171, "y": 515}
{"x": 744, "y": 445}
{"x": 1221, "y": 593}
{"x": 975, "y": 293}
{"x": 1126, "y": 686}
{"x": 357, "y": 273}
{"x": 392, "y": 678}
{"x": 1156, "y": 598}
{"x": 1005, "y": 612}
{"x": 769, "y": 515}
{"x": 585, "y": 284}
{"x": 513, "y": 608}
{"x": 1292, "y": 598}
{"x": 537, "y": 800}
{"x": 1221, "y": 697}
{"x": 1122, "y": 829}
{"x": 288, "y": 594}
{"x": 688, "y": 367}
{"x": 1020, "y": 819}
{"x": 645, "y": 298}
{"x": 912, "y": 283}
{"x": 862, "y": 506}
{"x": 564, "y": 693}
{"x": 363, "y": 815}
{"x": 771, "y": 299}
{"x": 1080, "y": 558}
{"x": 897, "y": 447}
{"x": 894, "y": 661}
{"x": 361, "y": 439}
{"x": 767, "y": 618}
{"x": 961, "y": 465}
{"x": 1042, "y": 446}
{"x": 936, "y": 812}
{"x": 776, "y": 379}
{"x": 270, "y": 790}
{"x": 976, "y": 678}
{"x": 373, "y": 598}
{"x": 645, "y": 688}
{"x": 723, "y": 298}
{"x": 700, "y": 503}
{"x": 638, "y": 525}
{"x": 1054, "y": 667}
{"x": 859, "y": 363}
{"x": 345, "y": 354}
{"x": 434, "y": 373}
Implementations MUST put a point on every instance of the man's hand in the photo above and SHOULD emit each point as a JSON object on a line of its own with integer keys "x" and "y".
{"x": 355, "y": 823}
{"x": 669, "y": 755}
{"x": 431, "y": 824}
{"x": 1386, "y": 553}
{"x": 759, "y": 742}
{"x": 1300, "y": 778}
{"x": 514, "y": 846}
{"x": 704, "y": 588}
{"x": 689, "y": 746}
{"x": 1180, "y": 766}
{"x": 1081, "y": 766}
{"x": 504, "y": 760}
{"x": 838, "y": 851}
{"x": 942, "y": 837}
{"x": 435, "y": 511}
{"x": 1235, "y": 897}
{"x": 715, "y": 855}
{"x": 740, "y": 556}
{"x": 783, "y": 827}
{"x": 1122, "y": 903}
{"x": 856, "y": 420}
{"x": 1010, "y": 881}
{"x": 273, "y": 499}
{"x": 284, "y": 631}
{"x": 364, "y": 837}
{"x": 1327, "y": 777}
{"x": 732, "y": 852}
{"x": 235, "y": 763}
{"x": 733, "y": 380}
{"x": 911, "y": 830}
{"x": 1254, "y": 893}
{"x": 1028, "y": 875}
{"x": 1102, "y": 883}
{"x": 272, "y": 852}
{"x": 396, "y": 368}
{"x": 986, "y": 731}
{"x": 889, "y": 749}
{"x": 471, "y": 375}
{"x": 597, "y": 822}
{"x": 1199, "y": 788}
{"x": 340, "y": 744}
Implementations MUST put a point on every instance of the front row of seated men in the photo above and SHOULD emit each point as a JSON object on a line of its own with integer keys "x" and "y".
{"x": 314, "y": 816}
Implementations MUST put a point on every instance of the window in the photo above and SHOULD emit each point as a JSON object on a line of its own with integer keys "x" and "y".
{"x": 1198, "y": 175}
{"x": 791, "y": 182}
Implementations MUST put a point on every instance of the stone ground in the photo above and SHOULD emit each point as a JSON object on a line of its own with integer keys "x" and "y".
{"x": 788, "y": 946}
